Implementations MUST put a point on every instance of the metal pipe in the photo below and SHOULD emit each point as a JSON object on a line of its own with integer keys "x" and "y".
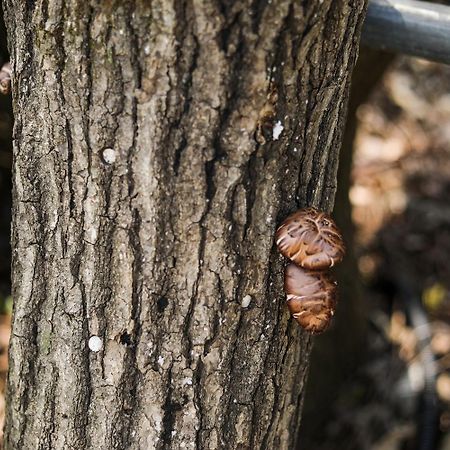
{"x": 411, "y": 27}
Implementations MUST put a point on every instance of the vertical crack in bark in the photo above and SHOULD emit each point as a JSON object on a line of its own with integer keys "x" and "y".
{"x": 28, "y": 373}
{"x": 185, "y": 86}
{"x": 60, "y": 51}
{"x": 170, "y": 408}
{"x": 266, "y": 373}
{"x": 131, "y": 375}
{"x": 82, "y": 420}
{"x": 72, "y": 206}
{"x": 46, "y": 439}
{"x": 219, "y": 154}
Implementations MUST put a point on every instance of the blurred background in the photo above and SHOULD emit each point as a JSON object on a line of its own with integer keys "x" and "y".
{"x": 380, "y": 378}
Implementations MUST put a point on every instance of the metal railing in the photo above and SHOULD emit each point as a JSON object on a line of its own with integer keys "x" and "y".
{"x": 411, "y": 27}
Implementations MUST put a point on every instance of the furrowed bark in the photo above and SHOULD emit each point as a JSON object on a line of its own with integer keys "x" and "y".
{"x": 153, "y": 244}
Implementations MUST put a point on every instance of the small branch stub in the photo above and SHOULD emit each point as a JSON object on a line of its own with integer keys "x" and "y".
{"x": 312, "y": 241}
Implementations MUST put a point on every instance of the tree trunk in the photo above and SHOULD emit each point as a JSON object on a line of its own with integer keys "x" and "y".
{"x": 147, "y": 188}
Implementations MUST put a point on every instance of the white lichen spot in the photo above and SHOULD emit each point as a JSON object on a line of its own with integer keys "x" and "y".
{"x": 147, "y": 49}
{"x": 158, "y": 423}
{"x": 92, "y": 234}
{"x": 95, "y": 343}
{"x": 246, "y": 301}
{"x": 160, "y": 360}
{"x": 277, "y": 130}
{"x": 109, "y": 155}
{"x": 186, "y": 381}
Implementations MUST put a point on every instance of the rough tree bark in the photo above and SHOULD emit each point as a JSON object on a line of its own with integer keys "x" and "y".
{"x": 144, "y": 213}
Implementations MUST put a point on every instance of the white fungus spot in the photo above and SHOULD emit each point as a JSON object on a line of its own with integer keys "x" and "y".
{"x": 246, "y": 301}
{"x": 277, "y": 130}
{"x": 109, "y": 155}
{"x": 95, "y": 343}
{"x": 186, "y": 381}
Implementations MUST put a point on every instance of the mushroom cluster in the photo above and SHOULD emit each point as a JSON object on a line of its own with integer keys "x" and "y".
{"x": 312, "y": 241}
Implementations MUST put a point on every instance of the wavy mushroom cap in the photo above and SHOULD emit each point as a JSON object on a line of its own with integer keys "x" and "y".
{"x": 311, "y": 297}
{"x": 310, "y": 239}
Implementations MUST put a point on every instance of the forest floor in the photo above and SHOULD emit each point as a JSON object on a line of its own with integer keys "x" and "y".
{"x": 401, "y": 209}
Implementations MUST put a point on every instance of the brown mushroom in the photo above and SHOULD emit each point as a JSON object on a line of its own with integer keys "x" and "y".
{"x": 310, "y": 239}
{"x": 5, "y": 79}
{"x": 311, "y": 297}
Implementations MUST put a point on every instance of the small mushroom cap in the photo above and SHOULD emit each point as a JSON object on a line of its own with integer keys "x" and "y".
{"x": 310, "y": 239}
{"x": 311, "y": 297}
